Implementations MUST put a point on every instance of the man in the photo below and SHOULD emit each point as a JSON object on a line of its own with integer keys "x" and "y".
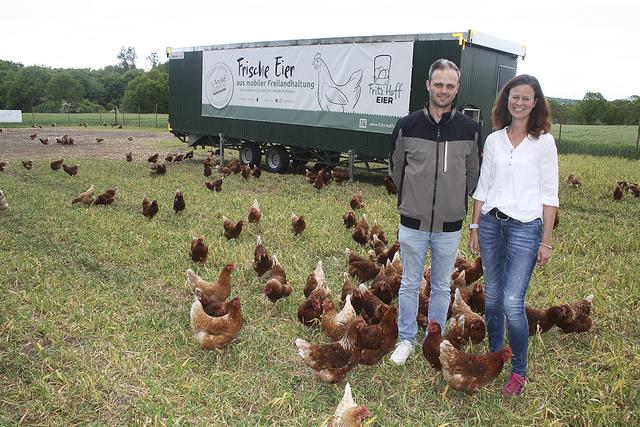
{"x": 434, "y": 160}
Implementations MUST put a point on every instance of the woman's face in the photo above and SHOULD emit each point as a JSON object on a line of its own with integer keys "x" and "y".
{"x": 521, "y": 101}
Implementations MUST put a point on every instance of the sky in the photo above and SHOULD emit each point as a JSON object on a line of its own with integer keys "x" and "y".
{"x": 573, "y": 47}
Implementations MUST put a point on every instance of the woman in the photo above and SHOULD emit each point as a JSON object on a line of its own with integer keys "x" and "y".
{"x": 513, "y": 213}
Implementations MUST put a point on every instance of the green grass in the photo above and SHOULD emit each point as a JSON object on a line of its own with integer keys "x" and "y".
{"x": 130, "y": 120}
{"x": 617, "y": 141}
{"x": 94, "y": 323}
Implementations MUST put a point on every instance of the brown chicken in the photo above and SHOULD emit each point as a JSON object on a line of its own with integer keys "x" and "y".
{"x": 379, "y": 339}
{"x": 474, "y": 272}
{"x": 199, "y": 250}
{"x": 576, "y": 317}
{"x": 209, "y": 292}
{"x": 216, "y": 332}
{"x": 377, "y": 230}
{"x": 477, "y": 298}
{"x": 335, "y": 323}
{"x": 57, "y": 164}
{"x": 541, "y": 321}
{"x": 255, "y": 214}
{"x": 349, "y": 219}
{"x": 99, "y": 139}
{"x": 470, "y": 372}
{"x": 348, "y": 414}
{"x": 153, "y": 159}
{"x": 215, "y": 185}
{"x": 169, "y": 158}
{"x": 310, "y": 177}
{"x": 70, "y": 170}
{"x": 178, "y": 202}
{"x": 618, "y": 192}
{"x": 340, "y": 176}
{"x": 362, "y": 268}
{"x": 369, "y": 305}
{"x": 3, "y": 166}
{"x": 178, "y": 158}
{"x": 158, "y": 169}
{"x": 423, "y": 304}
{"x": 235, "y": 165}
{"x": 44, "y": 141}
{"x": 129, "y": 157}
{"x": 357, "y": 201}
{"x": 189, "y": 155}
{"x": 388, "y": 253}
{"x": 86, "y": 197}
{"x": 277, "y": 286}
{"x": 33, "y": 136}
{"x": 314, "y": 279}
{"x": 390, "y": 185}
{"x": 207, "y": 170}
{"x": 361, "y": 231}
{"x": 475, "y": 327}
{"x": 224, "y": 171}
{"x": 245, "y": 171}
{"x": 634, "y": 189}
{"x": 331, "y": 362}
{"x": 394, "y": 276}
{"x": 573, "y": 181}
{"x": 107, "y": 197}
{"x": 380, "y": 287}
{"x": 255, "y": 171}
{"x": 298, "y": 224}
{"x": 431, "y": 344}
{"x": 347, "y": 286}
{"x": 310, "y": 311}
{"x": 149, "y": 209}
{"x": 232, "y": 229}
{"x": 262, "y": 261}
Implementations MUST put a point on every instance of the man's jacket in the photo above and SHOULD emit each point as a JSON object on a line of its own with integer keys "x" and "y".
{"x": 435, "y": 166}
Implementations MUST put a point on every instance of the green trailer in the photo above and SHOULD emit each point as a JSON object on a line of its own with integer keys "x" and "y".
{"x": 324, "y": 100}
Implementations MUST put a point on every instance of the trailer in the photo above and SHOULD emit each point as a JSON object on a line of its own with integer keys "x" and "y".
{"x": 329, "y": 101}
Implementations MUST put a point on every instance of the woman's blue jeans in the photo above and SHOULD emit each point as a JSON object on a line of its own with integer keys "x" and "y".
{"x": 509, "y": 251}
{"x": 413, "y": 251}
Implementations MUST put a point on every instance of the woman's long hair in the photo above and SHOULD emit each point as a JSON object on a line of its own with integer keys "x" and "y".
{"x": 539, "y": 120}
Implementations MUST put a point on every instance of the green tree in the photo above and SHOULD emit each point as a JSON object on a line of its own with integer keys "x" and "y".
{"x": 28, "y": 88}
{"x": 64, "y": 87}
{"x": 8, "y": 71}
{"x": 153, "y": 60}
{"x": 559, "y": 112}
{"x": 147, "y": 91}
{"x": 127, "y": 58}
{"x": 592, "y": 107}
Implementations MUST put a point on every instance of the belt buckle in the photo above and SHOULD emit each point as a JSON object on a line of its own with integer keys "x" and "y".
{"x": 497, "y": 214}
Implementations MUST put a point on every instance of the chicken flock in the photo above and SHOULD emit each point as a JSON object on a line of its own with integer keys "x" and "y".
{"x": 359, "y": 320}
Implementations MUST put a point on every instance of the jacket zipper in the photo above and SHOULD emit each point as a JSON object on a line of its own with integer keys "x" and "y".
{"x": 446, "y": 147}
{"x": 435, "y": 182}
{"x": 404, "y": 166}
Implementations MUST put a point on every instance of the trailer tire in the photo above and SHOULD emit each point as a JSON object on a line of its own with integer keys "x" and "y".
{"x": 250, "y": 154}
{"x": 277, "y": 159}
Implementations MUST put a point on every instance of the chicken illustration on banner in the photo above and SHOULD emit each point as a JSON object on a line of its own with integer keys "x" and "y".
{"x": 333, "y": 96}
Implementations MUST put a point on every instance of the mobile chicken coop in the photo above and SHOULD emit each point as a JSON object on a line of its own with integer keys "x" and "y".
{"x": 319, "y": 99}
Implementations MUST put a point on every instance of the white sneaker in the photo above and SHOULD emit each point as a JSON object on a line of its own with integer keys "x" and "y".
{"x": 403, "y": 350}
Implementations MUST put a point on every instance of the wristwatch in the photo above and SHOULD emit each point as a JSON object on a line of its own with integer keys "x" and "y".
{"x": 473, "y": 226}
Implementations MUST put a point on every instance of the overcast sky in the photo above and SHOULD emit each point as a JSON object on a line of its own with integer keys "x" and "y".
{"x": 572, "y": 46}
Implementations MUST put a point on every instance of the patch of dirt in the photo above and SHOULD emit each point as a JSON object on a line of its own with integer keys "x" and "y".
{"x": 15, "y": 143}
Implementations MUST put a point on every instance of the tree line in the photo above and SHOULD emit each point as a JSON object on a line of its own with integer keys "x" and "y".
{"x": 60, "y": 90}
{"x": 594, "y": 109}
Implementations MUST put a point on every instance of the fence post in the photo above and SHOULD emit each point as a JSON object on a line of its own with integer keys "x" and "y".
{"x": 115, "y": 112}
{"x": 637, "y": 141}
{"x": 138, "y": 116}
{"x": 156, "y": 115}
{"x": 33, "y": 117}
{"x": 560, "y": 135}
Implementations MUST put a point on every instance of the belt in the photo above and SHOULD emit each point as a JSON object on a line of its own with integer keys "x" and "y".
{"x": 499, "y": 214}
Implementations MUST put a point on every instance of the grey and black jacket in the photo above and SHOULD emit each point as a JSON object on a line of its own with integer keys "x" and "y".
{"x": 436, "y": 167}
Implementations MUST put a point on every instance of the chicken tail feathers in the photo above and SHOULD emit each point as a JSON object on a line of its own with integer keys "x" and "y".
{"x": 302, "y": 346}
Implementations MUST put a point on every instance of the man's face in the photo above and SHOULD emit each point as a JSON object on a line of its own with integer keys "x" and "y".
{"x": 443, "y": 87}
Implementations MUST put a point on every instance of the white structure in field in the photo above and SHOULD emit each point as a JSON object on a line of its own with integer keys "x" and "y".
{"x": 10, "y": 116}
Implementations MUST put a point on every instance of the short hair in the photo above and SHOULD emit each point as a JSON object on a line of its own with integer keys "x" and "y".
{"x": 539, "y": 119}
{"x": 443, "y": 64}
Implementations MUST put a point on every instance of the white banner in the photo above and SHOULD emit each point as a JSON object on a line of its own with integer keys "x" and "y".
{"x": 362, "y": 80}
{"x": 10, "y": 116}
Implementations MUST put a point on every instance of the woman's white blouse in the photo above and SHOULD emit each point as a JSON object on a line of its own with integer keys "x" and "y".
{"x": 518, "y": 181}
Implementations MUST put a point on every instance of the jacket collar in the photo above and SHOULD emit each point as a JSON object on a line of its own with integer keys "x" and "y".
{"x": 446, "y": 117}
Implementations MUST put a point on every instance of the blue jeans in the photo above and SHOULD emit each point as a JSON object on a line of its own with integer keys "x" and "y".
{"x": 509, "y": 252}
{"x": 413, "y": 250}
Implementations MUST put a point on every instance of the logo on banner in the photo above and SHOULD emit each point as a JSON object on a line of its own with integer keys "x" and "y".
{"x": 219, "y": 84}
{"x": 336, "y": 96}
{"x": 382, "y": 87}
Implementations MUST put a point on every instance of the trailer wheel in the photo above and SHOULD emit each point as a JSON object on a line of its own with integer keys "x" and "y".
{"x": 277, "y": 159}
{"x": 250, "y": 154}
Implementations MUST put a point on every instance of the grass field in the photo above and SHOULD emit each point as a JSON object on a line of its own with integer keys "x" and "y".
{"x": 94, "y": 323}
{"x": 128, "y": 120}
{"x": 619, "y": 141}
